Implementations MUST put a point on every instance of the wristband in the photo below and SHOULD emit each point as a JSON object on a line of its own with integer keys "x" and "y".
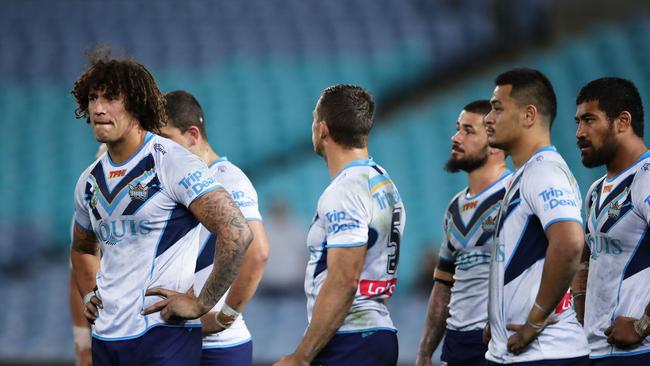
{"x": 81, "y": 337}
{"x": 540, "y": 308}
{"x": 641, "y": 326}
{"x": 89, "y": 295}
{"x": 537, "y": 326}
{"x": 226, "y": 316}
{"x": 578, "y": 293}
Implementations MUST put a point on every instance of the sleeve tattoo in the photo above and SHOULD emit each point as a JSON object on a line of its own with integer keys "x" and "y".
{"x": 221, "y": 216}
{"x": 84, "y": 242}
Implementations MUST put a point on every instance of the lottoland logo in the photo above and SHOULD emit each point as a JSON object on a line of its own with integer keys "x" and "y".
{"x": 194, "y": 184}
{"x": 603, "y": 245}
{"x": 554, "y": 197}
{"x": 339, "y": 221}
{"x": 112, "y": 232}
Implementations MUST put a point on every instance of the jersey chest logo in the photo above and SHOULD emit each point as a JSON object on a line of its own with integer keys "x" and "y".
{"x": 138, "y": 192}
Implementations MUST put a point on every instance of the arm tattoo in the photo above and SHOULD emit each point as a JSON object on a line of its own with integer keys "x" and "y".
{"x": 83, "y": 241}
{"x": 221, "y": 216}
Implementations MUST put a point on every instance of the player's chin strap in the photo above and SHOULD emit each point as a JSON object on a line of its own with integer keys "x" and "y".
{"x": 89, "y": 295}
{"x": 226, "y": 316}
{"x": 642, "y": 326}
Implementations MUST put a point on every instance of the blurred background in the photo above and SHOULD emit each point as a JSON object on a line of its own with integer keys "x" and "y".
{"x": 258, "y": 67}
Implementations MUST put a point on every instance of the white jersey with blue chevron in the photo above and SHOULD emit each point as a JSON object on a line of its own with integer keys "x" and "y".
{"x": 148, "y": 238}
{"x": 541, "y": 192}
{"x": 361, "y": 206}
{"x": 468, "y": 237}
{"x": 618, "y": 215}
{"x": 242, "y": 192}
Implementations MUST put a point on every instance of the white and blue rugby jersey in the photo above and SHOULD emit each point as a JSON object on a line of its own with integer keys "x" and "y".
{"x": 468, "y": 237}
{"x": 148, "y": 237}
{"x": 361, "y": 206}
{"x": 243, "y": 193}
{"x": 618, "y": 215}
{"x": 542, "y": 192}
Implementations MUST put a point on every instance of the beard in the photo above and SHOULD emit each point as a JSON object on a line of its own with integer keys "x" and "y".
{"x": 467, "y": 164}
{"x": 602, "y": 155}
{"x": 318, "y": 148}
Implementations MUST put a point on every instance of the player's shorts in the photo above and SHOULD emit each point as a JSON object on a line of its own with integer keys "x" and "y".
{"x": 463, "y": 348}
{"x": 631, "y": 360}
{"x": 374, "y": 348}
{"x": 240, "y": 355}
{"x": 160, "y": 346}
{"x": 576, "y": 361}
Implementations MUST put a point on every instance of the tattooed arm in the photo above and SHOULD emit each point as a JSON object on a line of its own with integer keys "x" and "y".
{"x": 220, "y": 215}
{"x": 85, "y": 264}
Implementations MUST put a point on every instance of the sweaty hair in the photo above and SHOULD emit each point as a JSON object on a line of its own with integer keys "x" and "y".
{"x": 348, "y": 111}
{"x": 481, "y": 107}
{"x": 531, "y": 87}
{"x": 614, "y": 96}
{"x": 126, "y": 77}
{"x": 183, "y": 111}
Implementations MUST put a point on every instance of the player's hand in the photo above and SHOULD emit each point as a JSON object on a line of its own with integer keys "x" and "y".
{"x": 91, "y": 308}
{"x": 209, "y": 324}
{"x": 423, "y": 360}
{"x": 622, "y": 334}
{"x": 84, "y": 358}
{"x": 291, "y": 360}
{"x": 487, "y": 333}
{"x": 524, "y": 334}
{"x": 176, "y": 306}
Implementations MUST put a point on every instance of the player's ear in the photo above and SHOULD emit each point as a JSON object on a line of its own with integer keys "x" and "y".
{"x": 623, "y": 122}
{"x": 193, "y": 134}
{"x": 530, "y": 114}
{"x": 323, "y": 130}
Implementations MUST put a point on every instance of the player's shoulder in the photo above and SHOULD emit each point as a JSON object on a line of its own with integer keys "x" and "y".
{"x": 163, "y": 148}
{"x": 224, "y": 168}
{"x": 90, "y": 168}
{"x": 456, "y": 197}
{"x": 229, "y": 174}
{"x": 641, "y": 180}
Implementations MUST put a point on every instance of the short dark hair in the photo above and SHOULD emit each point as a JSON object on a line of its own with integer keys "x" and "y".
{"x": 614, "y": 96}
{"x": 114, "y": 76}
{"x": 348, "y": 111}
{"x": 481, "y": 107}
{"x": 530, "y": 86}
{"x": 183, "y": 111}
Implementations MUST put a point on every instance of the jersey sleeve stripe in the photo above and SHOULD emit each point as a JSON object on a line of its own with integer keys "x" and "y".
{"x": 351, "y": 245}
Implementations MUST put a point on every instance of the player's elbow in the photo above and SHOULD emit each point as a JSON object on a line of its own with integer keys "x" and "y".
{"x": 347, "y": 281}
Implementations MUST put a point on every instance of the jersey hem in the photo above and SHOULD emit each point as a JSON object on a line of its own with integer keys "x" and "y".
{"x": 228, "y": 345}
{"x": 374, "y": 329}
{"x": 623, "y": 354}
{"x": 126, "y": 338}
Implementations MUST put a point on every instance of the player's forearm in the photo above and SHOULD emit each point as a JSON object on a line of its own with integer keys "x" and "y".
{"x": 437, "y": 314}
{"x": 84, "y": 271}
{"x": 220, "y": 215}
{"x": 252, "y": 269}
{"x": 76, "y": 305}
{"x": 560, "y": 266}
{"x": 579, "y": 285}
{"x": 331, "y": 307}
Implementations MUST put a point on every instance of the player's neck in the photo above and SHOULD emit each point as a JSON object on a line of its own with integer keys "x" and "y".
{"x": 526, "y": 147}
{"x": 628, "y": 153}
{"x": 479, "y": 179}
{"x": 123, "y": 149}
{"x": 339, "y": 157}
{"x": 206, "y": 154}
